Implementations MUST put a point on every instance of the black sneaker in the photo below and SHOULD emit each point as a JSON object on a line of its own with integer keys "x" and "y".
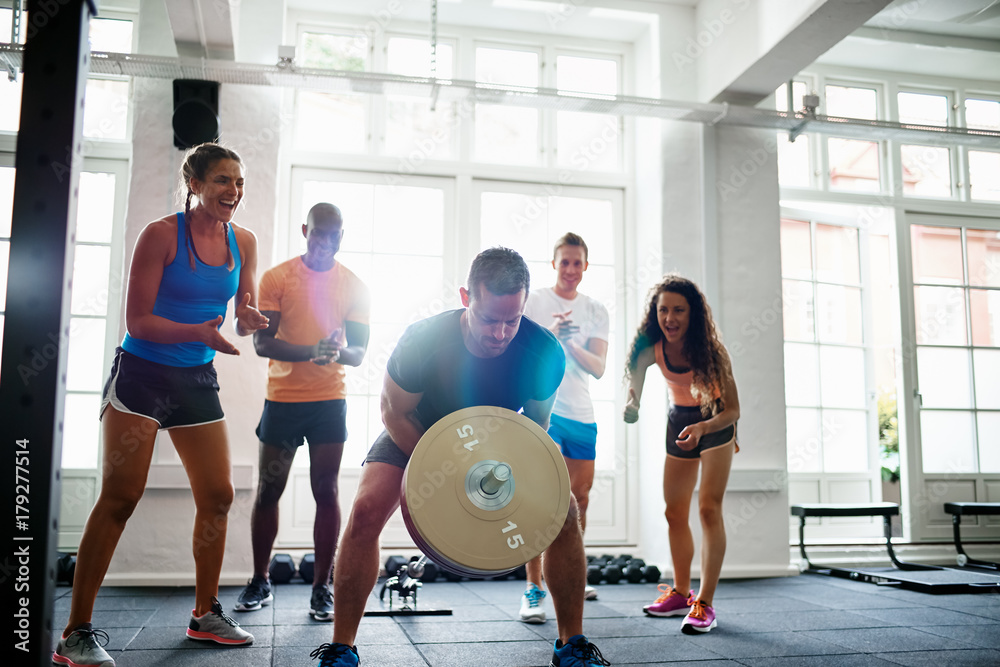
{"x": 336, "y": 655}
{"x": 256, "y": 594}
{"x": 321, "y": 603}
{"x": 83, "y": 646}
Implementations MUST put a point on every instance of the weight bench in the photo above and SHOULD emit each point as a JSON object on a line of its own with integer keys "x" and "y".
{"x": 957, "y": 511}
{"x": 884, "y": 510}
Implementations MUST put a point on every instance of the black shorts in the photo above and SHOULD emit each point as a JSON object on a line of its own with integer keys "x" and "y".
{"x": 681, "y": 416}
{"x": 289, "y": 425}
{"x": 384, "y": 450}
{"x": 170, "y": 395}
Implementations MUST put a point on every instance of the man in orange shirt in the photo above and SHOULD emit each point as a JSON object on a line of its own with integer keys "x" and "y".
{"x": 318, "y": 324}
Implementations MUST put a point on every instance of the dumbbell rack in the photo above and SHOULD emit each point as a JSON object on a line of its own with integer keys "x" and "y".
{"x": 611, "y": 569}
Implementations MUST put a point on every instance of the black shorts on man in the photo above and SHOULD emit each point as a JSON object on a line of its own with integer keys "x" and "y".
{"x": 290, "y": 425}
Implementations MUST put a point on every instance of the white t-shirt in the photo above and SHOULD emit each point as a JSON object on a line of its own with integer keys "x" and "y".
{"x": 573, "y": 398}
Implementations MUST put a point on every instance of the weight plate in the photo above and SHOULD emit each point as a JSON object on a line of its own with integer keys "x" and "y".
{"x": 471, "y": 522}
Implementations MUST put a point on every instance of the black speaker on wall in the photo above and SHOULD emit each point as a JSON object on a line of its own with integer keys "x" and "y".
{"x": 196, "y": 112}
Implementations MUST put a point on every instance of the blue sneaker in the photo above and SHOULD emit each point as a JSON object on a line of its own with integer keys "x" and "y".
{"x": 336, "y": 655}
{"x": 577, "y": 652}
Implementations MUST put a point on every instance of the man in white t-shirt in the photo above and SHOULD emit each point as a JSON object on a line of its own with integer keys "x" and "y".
{"x": 581, "y": 324}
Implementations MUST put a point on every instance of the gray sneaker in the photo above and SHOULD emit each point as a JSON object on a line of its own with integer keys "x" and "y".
{"x": 217, "y": 627}
{"x": 83, "y": 646}
{"x": 321, "y": 603}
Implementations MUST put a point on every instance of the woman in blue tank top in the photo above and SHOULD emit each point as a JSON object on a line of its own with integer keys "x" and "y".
{"x": 185, "y": 269}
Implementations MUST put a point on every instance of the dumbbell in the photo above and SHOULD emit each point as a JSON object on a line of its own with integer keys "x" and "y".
{"x": 612, "y": 572}
{"x": 594, "y": 574}
{"x": 65, "y": 569}
{"x": 393, "y": 563}
{"x": 307, "y": 568}
{"x": 651, "y": 574}
{"x": 633, "y": 571}
{"x": 281, "y": 569}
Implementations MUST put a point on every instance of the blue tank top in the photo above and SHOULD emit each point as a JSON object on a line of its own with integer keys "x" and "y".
{"x": 189, "y": 297}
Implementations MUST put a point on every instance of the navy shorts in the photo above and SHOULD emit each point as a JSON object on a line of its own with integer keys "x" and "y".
{"x": 170, "y": 395}
{"x": 576, "y": 440}
{"x": 681, "y": 416}
{"x": 289, "y": 425}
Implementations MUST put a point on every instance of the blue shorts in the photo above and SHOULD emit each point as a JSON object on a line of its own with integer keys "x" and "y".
{"x": 170, "y": 395}
{"x": 288, "y": 425}
{"x": 576, "y": 439}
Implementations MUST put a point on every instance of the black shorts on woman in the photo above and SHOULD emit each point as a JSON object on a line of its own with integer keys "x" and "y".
{"x": 681, "y": 416}
{"x": 170, "y": 395}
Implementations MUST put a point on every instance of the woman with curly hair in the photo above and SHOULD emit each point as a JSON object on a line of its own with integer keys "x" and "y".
{"x": 678, "y": 335}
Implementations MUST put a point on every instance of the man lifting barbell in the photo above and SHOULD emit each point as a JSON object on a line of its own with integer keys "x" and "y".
{"x": 485, "y": 354}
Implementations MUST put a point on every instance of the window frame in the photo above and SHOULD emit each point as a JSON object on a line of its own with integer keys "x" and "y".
{"x": 842, "y": 530}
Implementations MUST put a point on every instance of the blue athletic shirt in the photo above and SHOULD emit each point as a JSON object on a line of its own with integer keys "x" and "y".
{"x": 189, "y": 297}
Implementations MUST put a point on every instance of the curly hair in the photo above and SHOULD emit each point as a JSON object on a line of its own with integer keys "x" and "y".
{"x": 702, "y": 348}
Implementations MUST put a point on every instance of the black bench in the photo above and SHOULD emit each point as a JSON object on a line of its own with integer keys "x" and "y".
{"x": 957, "y": 511}
{"x": 884, "y": 510}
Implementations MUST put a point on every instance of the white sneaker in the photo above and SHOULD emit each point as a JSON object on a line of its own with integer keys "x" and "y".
{"x": 532, "y": 607}
{"x": 589, "y": 593}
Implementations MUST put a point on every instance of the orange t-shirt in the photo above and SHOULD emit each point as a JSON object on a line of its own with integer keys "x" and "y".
{"x": 313, "y": 304}
{"x": 678, "y": 384}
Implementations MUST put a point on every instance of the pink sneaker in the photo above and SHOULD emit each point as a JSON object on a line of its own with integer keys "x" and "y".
{"x": 670, "y": 603}
{"x": 699, "y": 620}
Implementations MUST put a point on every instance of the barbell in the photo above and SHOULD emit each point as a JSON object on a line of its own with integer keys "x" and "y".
{"x": 485, "y": 491}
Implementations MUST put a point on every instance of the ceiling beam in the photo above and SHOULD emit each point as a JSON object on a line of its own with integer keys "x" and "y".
{"x": 203, "y": 28}
{"x": 826, "y": 24}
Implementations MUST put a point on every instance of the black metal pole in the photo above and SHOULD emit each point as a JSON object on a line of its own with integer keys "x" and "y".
{"x": 36, "y": 326}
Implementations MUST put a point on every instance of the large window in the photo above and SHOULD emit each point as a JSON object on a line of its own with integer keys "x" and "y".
{"x": 530, "y": 222}
{"x": 825, "y": 365}
{"x": 331, "y": 121}
{"x": 931, "y": 170}
{"x": 926, "y": 170}
{"x": 395, "y": 238}
{"x": 508, "y": 135}
{"x": 419, "y": 129}
{"x": 915, "y": 329}
{"x": 106, "y": 104}
{"x": 853, "y": 165}
{"x": 956, "y": 296}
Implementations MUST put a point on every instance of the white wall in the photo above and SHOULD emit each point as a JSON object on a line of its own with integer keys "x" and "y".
{"x": 748, "y": 310}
